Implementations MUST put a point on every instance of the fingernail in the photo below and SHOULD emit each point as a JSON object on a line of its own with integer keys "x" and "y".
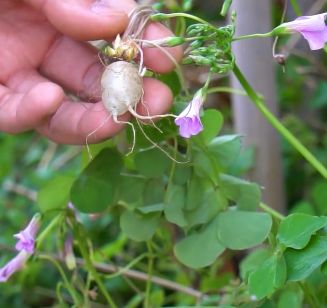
{"x": 102, "y": 7}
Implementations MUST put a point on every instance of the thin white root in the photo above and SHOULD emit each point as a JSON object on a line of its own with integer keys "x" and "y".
{"x": 93, "y": 132}
{"x": 170, "y": 57}
{"x": 148, "y": 113}
{"x": 141, "y": 69}
{"x": 157, "y": 146}
{"x": 133, "y": 129}
{"x": 101, "y": 60}
{"x": 157, "y": 116}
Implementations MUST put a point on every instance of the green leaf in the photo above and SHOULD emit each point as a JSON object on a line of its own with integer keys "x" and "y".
{"x": 240, "y": 230}
{"x": 154, "y": 192}
{"x": 159, "y": 207}
{"x": 281, "y": 272}
{"x": 303, "y": 206}
{"x": 290, "y": 298}
{"x": 270, "y": 276}
{"x": 172, "y": 81}
{"x": 245, "y": 194}
{"x": 175, "y": 202}
{"x": 139, "y": 227}
{"x": 201, "y": 248}
{"x": 204, "y": 165}
{"x": 296, "y": 229}
{"x": 212, "y": 202}
{"x": 195, "y": 192}
{"x": 301, "y": 263}
{"x": 225, "y": 149}
{"x": 252, "y": 261}
{"x": 95, "y": 149}
{"x": 151, "y": 163}
{"x": 94, "y": 190}
{"x": 323, "y": 268}
{"x": 182, "y": 174}
{"x": 55, "y": 194}
{"x": 131, "y": 189}
{"x": 212, "y": 121}
{"x": 157, "y": 298}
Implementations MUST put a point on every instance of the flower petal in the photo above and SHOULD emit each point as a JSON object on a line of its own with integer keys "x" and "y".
{"x": 316, "y": 39}
{"x": 13, "y": 266}
{"x": 189, "y": 121}
{"x": 26, "y": 237}
{"x": 308, "y": 23}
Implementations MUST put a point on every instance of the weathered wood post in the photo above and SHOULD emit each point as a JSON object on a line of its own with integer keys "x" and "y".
{"x": 254, "y": 58}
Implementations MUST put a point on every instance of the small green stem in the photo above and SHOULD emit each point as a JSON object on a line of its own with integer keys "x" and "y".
{"x": 296, "y": 7}
{"x": 162, "y": 16}
{"x": 94, "y": 273}
{"x": 67, "y": 284}
{"x": 150, "y": 274}
{"x": 128, "y": 266}
{"x": 48, "y": 229}
{"x": 258, "y": 102}
{"x": 271, "y": 211}
{"x": 226, "y": 90}
{"x": 255, "y": 35}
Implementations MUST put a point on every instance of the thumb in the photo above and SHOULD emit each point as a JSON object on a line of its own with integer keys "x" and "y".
{"x": 82, "y": 19}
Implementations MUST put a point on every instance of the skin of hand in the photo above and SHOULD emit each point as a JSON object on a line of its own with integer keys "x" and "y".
{"x": 43, "y": 51}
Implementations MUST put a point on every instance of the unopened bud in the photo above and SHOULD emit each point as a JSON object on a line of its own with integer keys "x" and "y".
{"x": 227, "y": 4}
{"x": 196, "y": 44}
{"x": 175, "y": 41}
{"x": 165, "y": 42}
{"x": 280, "y": 59}
{"x": 69, "y": 253}
{"x": 201, "y": 60}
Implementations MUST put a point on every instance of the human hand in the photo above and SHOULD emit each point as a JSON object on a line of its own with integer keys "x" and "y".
{"x": 42, "y": 53}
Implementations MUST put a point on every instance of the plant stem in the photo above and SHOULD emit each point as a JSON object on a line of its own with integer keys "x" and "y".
{"x": 48, "y": 229}
{"x": 150, "y": 273}
{"x": 226, "y": 90}
{"x": 271, "y": 211}
{"x": 124, "y": 269}
{"x": 64, "y": 277}
{"x": 296, "y": 7}
{"x": 173, "y": 15}
{"x": 94, "y": 273}
{"x": 258, "y": 102}
{"x": 255, "y": 35}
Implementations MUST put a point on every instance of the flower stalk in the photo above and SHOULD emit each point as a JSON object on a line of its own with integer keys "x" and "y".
{"x": 258, "y": 102}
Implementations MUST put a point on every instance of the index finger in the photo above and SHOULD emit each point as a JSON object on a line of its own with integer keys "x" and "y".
{"x": 83, "y": 19}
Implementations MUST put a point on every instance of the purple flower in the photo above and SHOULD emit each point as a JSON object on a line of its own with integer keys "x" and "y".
{"x": 189, "y": 121}
{"x": 313, "y": 29}
{"x": 26, "y": 237}
{"x": 13, "y": 265}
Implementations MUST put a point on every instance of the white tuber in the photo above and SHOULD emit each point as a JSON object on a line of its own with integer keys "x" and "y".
{"x": 121, "y": 87}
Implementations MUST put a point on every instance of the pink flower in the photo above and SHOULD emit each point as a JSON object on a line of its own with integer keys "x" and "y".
{"x": 26, "y": 237}
{"x": 13, "y": 265}
{"x": 313, "y": 29}
{"x": 189, "y": 121}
